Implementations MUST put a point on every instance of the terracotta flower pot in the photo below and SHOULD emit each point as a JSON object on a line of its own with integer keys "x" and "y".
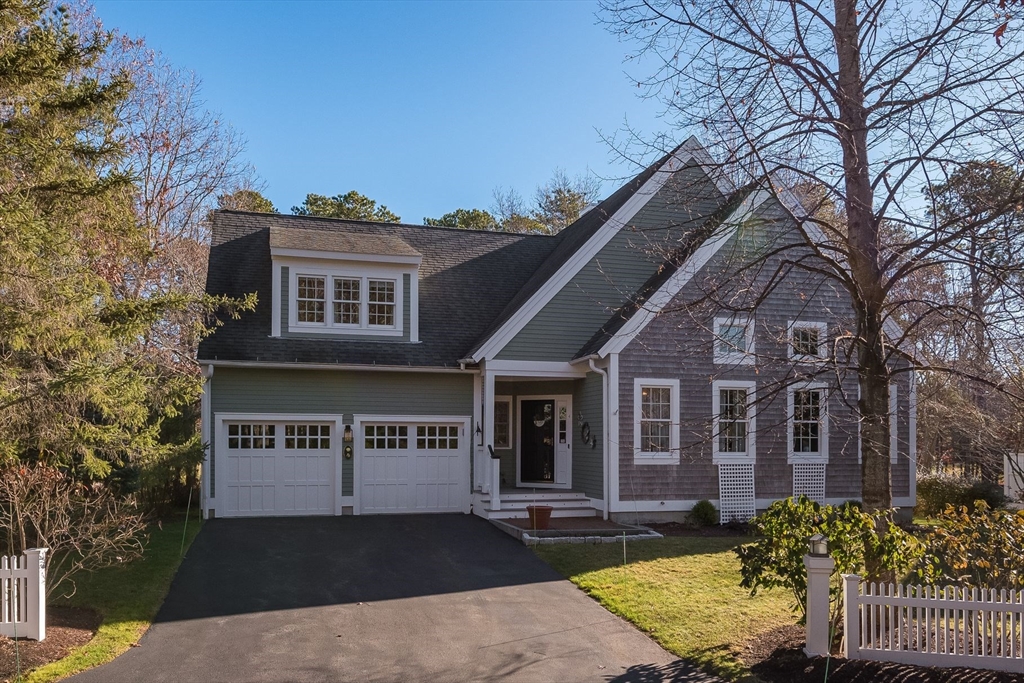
{"x": 540, "y": 515}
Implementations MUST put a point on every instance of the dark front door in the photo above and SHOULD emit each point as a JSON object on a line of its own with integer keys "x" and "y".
{"x": 537, "y": 450}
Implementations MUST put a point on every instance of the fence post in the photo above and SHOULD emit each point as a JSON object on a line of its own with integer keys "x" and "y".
{"x": 819, "y": 570}
{"x": 851, "y": 616}
{"x": 35, "y": 563}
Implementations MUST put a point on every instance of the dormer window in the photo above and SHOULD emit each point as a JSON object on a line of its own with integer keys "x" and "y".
{"x": 309, "y": 299}
{"x": 337, "y": 283}
{"x": 358, "y": 303}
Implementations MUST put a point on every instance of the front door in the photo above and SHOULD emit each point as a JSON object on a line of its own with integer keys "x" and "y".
{"x": 544, "y": 441}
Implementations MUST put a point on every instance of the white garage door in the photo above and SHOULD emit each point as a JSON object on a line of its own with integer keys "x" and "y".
{"x": 276, "y": 469}
{"x": 414, "y": 468}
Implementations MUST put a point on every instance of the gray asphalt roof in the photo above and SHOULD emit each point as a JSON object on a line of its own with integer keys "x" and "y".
{"x": 338, "y": 242}
{"x": 470, "y": 281}
{"x": 466, "y": 278}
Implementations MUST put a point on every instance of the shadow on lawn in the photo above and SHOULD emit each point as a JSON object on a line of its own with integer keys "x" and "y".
{"x": 678, "y": 671}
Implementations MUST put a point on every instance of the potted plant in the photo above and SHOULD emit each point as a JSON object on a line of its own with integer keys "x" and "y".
{"x": 540, "y": 515}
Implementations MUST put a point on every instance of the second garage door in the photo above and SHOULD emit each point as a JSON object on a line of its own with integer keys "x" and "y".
{"x": 414, "y": 467}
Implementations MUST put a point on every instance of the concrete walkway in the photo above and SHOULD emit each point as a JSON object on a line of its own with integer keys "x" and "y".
{"x": 382, "y": 598}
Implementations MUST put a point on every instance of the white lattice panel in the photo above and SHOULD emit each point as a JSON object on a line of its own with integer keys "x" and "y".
{"x": 736, "y": 492}
{"x": 809, "y": 480}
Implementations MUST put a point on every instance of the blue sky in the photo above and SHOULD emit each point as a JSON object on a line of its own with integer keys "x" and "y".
{"x": 423, "y": 106}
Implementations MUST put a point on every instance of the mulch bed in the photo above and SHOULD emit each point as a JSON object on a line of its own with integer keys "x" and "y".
{"x": 66, "y": 628}
{"x": 777, "y": 657}
{"x": 678, "y": 529}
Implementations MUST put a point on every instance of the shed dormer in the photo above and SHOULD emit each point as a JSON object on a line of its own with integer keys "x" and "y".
{"x": 335, "y": 284}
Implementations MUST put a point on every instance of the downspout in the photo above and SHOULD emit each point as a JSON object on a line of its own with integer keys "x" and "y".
{"x": 607, "y": 443}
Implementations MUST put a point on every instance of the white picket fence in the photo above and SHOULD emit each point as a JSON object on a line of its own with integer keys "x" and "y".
{"x": 23, "y": 595}
{"x": 932, "y": 626}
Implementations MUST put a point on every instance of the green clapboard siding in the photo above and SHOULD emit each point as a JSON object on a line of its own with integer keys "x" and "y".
{"x": 608, "y": 281}
{"x": 333, "y": 392}
{"x": 297, "y": 334}
{"x": 587, "y": 461}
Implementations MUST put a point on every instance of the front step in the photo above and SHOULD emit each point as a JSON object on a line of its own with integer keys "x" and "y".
{"x": 514, "y": 504}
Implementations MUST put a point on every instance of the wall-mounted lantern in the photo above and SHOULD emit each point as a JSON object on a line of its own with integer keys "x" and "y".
{"x": 479, "y": 435}
{"x": 346, "y": 438}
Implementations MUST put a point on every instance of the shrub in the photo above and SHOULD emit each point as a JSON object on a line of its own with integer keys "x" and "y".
{"x": 86, "y": 528}
{"x": 936, "y": 492}
{"x": 975, "y": 547}
{"x": 704, "y": 513}
{"x": 776, "y": 560}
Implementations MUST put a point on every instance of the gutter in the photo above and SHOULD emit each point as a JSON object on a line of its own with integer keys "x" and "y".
{"x": 333, "y": 366}
{"x": 604, "y": 428}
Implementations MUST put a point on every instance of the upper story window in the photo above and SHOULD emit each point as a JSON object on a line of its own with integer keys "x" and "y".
{"x": 733, "y": 420}
{"x": 734, "y": 339}
{"x": 807, "y": 340}
{"x": 333, "y": 282}
{"x": 656, "y": 421}
{"x": 309, "y": 299}
{"x": 808, "y": 422}
{"x": 346, "y": 301}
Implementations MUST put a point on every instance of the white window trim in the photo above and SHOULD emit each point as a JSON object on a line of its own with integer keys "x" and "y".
{"x": 719, "y": 458}
{"x": 672, "y": 457}
{"x": 894, "y": 424}
{"x": 362, "y": 273}
{"x": 511, "y": 420}
{"x": 734, "y": 357}
{"x": 822, "y": 329}
{"x": 823, "y": 446}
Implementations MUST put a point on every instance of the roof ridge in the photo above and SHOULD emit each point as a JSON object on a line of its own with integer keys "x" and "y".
{"x": 396, "y": 225}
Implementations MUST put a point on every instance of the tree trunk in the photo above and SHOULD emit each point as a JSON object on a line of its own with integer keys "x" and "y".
{"x": 869, "y": 298}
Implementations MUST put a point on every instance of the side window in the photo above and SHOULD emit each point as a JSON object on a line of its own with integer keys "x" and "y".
{"x": 503, "y": 422}
{"x": 656, "y": 420}
{"x": 807, "y": 340}
{"x": 808, "y": 423}
{"x": 733, "y": 420}
{"x": 734, "y": 340}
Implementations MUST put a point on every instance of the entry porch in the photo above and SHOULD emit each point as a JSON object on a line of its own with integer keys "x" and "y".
{"x": 538, "y": 440}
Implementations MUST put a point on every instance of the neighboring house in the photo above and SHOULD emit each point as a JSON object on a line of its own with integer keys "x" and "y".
{"x": 405, "y": 368}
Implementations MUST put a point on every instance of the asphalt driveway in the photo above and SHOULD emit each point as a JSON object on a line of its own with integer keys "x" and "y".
{"x": 382, "y": 598}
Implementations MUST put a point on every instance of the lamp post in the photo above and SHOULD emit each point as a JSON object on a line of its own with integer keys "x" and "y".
{"x": 819, "y": 570}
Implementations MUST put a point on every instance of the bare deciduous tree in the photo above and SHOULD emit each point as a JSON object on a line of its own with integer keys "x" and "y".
{"x": 867, "y": 102}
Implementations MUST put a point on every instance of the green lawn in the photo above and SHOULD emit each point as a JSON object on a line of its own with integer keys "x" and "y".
{"x": 684, "y": 592}
{"x": 126, "y": 597}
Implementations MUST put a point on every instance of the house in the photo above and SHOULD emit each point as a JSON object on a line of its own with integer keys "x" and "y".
{"x": 406, "y": 368}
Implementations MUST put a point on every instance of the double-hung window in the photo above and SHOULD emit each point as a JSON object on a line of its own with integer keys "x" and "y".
{"x": 734, "y": 340}
{"x": 807, "y": 341}
{"x": 309, "y": 299}
{"x": 346, "y": 302}
{"x": 733, "y": 421}
{"x": 656, "y": 421}
{"x": 808, "y": 423}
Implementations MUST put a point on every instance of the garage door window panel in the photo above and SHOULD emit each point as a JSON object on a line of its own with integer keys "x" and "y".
{"x": 434, "y": 437}
{"x": 386, "y": 437}
{"x": 307, "y": 436}
{"x": 247, "y": 436}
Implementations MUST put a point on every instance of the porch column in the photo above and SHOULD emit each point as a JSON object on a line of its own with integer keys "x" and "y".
{"x": 493, "y": 468}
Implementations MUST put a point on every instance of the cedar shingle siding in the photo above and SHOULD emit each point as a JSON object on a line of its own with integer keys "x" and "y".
{"x": 678, "y": 345}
